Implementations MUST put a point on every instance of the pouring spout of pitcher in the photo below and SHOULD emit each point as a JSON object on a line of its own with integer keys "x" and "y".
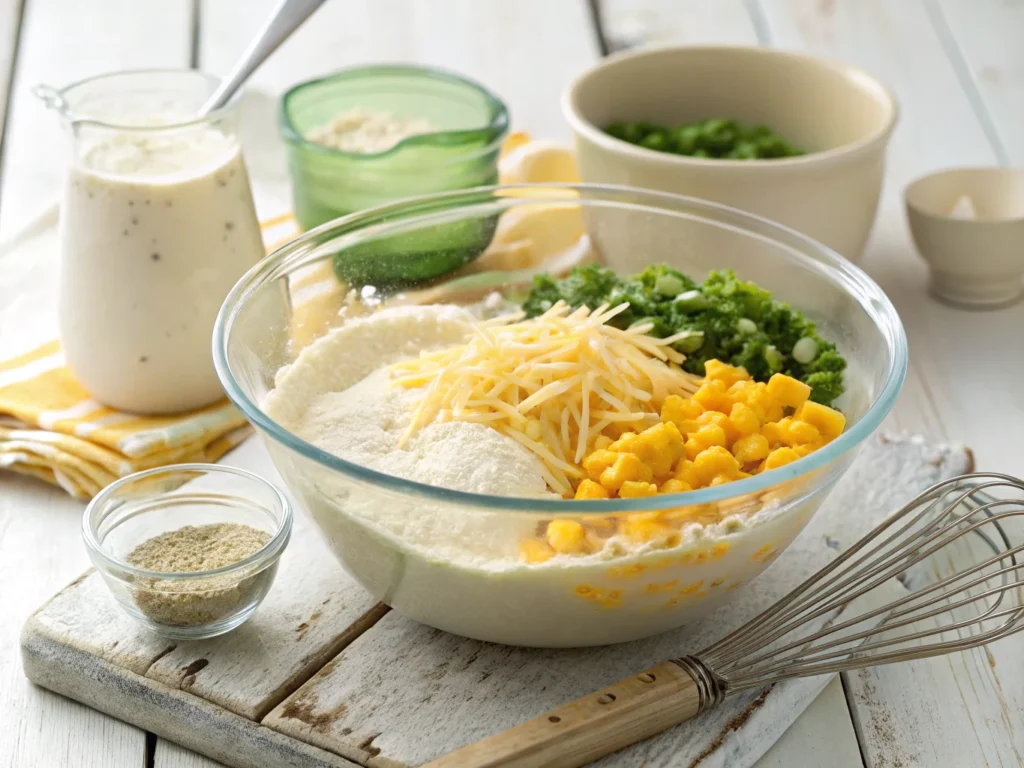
{"x": 53, "y": 99}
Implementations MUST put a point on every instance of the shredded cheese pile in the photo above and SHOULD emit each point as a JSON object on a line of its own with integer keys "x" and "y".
{"x": 554, "y": 383}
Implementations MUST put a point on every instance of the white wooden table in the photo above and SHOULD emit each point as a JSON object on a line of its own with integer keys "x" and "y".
{"x": 957, "y": 67}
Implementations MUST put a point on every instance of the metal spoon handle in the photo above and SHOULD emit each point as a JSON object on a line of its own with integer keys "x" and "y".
{"x": 288, "y": 16}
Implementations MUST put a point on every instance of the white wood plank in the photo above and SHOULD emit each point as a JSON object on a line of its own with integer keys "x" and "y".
{"x": 525, "y": 51}
{"x": 63, "y": 41}
{"x": 170, "y": 755}
{"x": 10, "y": 25}
{"x": 40, "y": 541}
{"x": 631, "y": 23}
{"x": 823, "y": 735}
{"x": 962, "y": 710}
{"x": 985, "y": 36}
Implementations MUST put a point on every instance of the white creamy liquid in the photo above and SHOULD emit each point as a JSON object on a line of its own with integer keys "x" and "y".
{"x": 155, "y": 230}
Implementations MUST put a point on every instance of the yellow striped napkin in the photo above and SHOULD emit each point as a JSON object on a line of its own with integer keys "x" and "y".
{"x": 50, "y": 428}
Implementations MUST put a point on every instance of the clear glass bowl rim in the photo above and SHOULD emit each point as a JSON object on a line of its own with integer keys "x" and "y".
{"x": 495, "y": 129}
{"x": 854, "y": 280}
{"x": 266, "y": 554}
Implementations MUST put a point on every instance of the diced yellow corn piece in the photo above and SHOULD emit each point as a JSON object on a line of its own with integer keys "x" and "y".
{"x": 805, "y": 449}
{"x": 588, "y": 489}
{"x": 626, "y": 467}
{"x": 829, "y": 421}
{"x": 601, "y": 442}
{"x": 780, "y": 457}
{"x": 641, "y": 530}
{"x": 711, "y": 395}
{"x": 717, "y": 370}
{"x": 677, "y": 409}
{"x": 660, "y": 446}
{"x": 788, "y": 391}
{"x": 750, "y": 448}
{"x": 566, "y": 537}
{"x": 625, "y": 444}
{"x": 710, "y": 434}
{"x": 743, "y": 419}
{"x": 720, "y": 480}
{"x": 684, "y": 471}
{"x": 772, "y": 433}
{"x": 800, "y": 433}
{"x": 598, "y": 462}
{"x": 634, "y": 489}
{"x": 675, "y": 486}
{"x": 773, "y": 412}
{"x": 692, "y": 448}
{"x": 715, "y": 460}
{"x": 534, "y": 551}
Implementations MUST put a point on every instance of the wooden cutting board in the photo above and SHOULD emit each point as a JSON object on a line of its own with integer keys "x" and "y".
{"x": 322, "y": 675}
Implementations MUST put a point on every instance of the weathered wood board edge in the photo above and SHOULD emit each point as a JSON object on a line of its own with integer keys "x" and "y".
{"x": 180, "y": 717}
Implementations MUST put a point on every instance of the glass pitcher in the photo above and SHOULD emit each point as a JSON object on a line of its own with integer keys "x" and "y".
{"x": 156, "y": 225}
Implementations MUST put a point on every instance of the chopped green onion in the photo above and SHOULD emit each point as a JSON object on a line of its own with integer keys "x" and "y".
{"x": 691, "y": 301}
{"x": 805, "y": 350}
{"x": 668, "y": 285}
{"x": 746, "y": 325}
{"x": 690, "y": 343}
{"x": 773, "y": 357}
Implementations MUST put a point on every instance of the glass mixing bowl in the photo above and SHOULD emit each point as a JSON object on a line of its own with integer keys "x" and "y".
{"x": 450, "y": 559}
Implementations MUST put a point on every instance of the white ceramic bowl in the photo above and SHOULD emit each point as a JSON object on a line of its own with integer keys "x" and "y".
{"x": 978, "y": 261}
{"x": 841, "y": 116}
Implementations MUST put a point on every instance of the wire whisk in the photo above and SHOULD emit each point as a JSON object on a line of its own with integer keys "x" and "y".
{"x": 939, "y": 575}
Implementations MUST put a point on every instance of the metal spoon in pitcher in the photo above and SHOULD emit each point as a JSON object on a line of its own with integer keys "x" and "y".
{"x": 289, "y": 16}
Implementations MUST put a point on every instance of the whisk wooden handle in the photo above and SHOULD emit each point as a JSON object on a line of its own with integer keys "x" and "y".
{"x": 591, "y": 727}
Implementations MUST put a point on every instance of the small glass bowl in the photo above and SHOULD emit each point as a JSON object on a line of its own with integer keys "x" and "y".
{"x": 462, "y": 153}
{"x": 186, "y": 605}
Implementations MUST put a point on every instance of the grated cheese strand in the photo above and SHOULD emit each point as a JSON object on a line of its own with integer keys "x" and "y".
{"x": 553, "y": 383}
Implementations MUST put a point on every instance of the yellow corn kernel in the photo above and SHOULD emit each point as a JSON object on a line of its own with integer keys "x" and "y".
{"x": 677, "y": 410}
{"x": 738, "y": 391}
{"x": 713, "y": 461}
{"x": 535, "y": 551}
{"x": 688, "y": 426}
{"x": 634, "y": 489}
{"x": 750, "y": 448}
{"x": 773, "y": 412}
{"x": 717, "y": 370}
{"x": 588, "y": 489}
{"x": 788, "y": 391}
{"x": 675, "y": 486}
{"x": 721, "y": 420}
{"x": 692, "y": 448}
{"x": 626, "y": 467}
{"x": 805, "y": 449}
{"x": 743, "y": 419}
{"x": 625, "y": 444}
{"x": 711, "y": 395}
{"x": 566, "y": 537}
{"x": 684, "y": 471}
{"x": 721, "y": 480}
{"x": 643, "y": 531}
{"x": 659, "y": 447}
{"x": 772, "y": 433}
{"x": 709, "y": 435}
{"x": 601, "y": 442}
{"x": 598, "y": 462}
{"x": 829, "y": 421}
{"x": 780, "y": 457}
{"x": 800, "y": 433}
